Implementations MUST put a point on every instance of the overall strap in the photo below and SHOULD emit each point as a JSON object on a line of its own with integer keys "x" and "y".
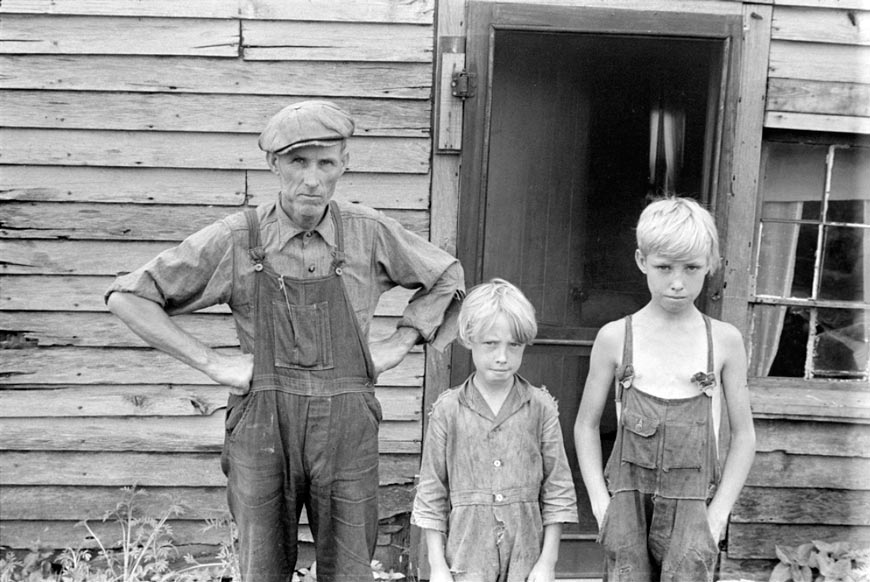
{"x": 711, "y": 363}
{"x": 255, "y": 250}
{"x": 338, "y": 256}
{"x": 626, "y": 368}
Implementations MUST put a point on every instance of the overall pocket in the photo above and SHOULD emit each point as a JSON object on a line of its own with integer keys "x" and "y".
{"x": 683, "y": 448}
{"x": 237, "y": 410}
{"x": 303, "y": 336}
{"x": 639, "y": 445}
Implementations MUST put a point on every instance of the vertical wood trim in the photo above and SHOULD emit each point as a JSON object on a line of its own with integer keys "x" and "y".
{"x": 746, "y": 164}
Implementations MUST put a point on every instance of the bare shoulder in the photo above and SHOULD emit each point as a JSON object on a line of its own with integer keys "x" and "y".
{"x": 727, "y": 338}
{"x": 610, "y": 339}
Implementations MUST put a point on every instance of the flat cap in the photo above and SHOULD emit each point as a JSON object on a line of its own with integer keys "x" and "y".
{"x": 306, "y": 123}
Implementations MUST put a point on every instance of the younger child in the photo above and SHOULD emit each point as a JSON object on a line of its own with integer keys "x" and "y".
{"x": 660, "y": 503}
{"x": 495, "y": 478}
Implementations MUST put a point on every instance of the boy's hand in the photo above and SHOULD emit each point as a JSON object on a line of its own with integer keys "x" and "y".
{"x": 599, "y": 509}
{"x": 542, "y": 573}
{"x": 440, "y": 574}
{"x": 717, "y": 524}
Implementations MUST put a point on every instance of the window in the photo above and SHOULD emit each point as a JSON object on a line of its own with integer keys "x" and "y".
{"x": 811, "y": 295}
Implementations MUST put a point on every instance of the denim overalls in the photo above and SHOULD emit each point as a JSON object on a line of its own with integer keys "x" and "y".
{"x": 307, "y": 432}
{"x": 661, "y": 474}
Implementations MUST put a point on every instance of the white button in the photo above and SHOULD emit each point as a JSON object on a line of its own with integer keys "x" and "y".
{"x": 497, "y": 462}
{"x": 499, "y": 497}
{"x": 308, "y": 234}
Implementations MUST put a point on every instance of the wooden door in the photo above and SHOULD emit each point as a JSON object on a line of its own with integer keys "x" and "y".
{"x": 556, "y": 168}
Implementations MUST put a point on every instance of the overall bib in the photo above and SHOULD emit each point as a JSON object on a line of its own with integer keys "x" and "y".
{"x": 662, "y": 473}
{"x": 306, "y": 435}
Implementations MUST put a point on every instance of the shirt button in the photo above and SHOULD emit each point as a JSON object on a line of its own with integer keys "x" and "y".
{"x": 497, "y": 463}
{"x": 308, "y": 234}
{"x": 499, "y": 497}
{"x": 311, "y": 269}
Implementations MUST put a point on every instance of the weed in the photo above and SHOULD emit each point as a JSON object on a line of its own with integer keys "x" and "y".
{"x": 822, "y": 562}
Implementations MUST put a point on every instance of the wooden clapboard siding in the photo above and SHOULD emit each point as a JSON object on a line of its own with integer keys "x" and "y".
{"x": 199, "y": 187}
{"x": 124, "y": 127}
{"x": 133, "y": 222}
{"x": 189, "y": 150}
{"x": 213, "y": 75}
{"x": 802, "y": 505}
{"x": 819, "y": 69}
{"x": 417, "y": 11}
{"x": 196, "y": 113}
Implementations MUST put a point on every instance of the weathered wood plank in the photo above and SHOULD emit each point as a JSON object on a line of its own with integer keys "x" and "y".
{"x": 813, "y": 122}
{"x": 418, "y": 11}
{"x": 194, "y": 75}
{"x": 274, "y": 40}
{"x": 159, "y": 434}
{"x": 134, "y": 222}
{"x": 208, "y": 187}
{"x": 134, "y": 366}
{"x": 802, "y": 505}
{"x": 398, "y": 404}
{"x": 113, "y": 469}
{"x": 811, "y": 400}
{"x": 69, "y": 293}
{"x": 757, "y": 541}
{"x": 94, "y": 330}
{"x": 44, "y": 34}
{"x": 76, "y": 503}
{"x": 819, "y": 62}
{"x": 62, "y": 534}
{"x": 820, "y": 98}
{"x": 840, "y": 4}
{"x": 195, "y": 112}
{"x": 219, "y": 151}
{"x": 809, "y": 471}
{"x": 813, "y": 438}
{"x": 745, "y": 570}
{"x": 823, "y": 26}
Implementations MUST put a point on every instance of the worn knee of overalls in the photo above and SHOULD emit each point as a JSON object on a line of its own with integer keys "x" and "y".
{"x": 661, "y": 475}
{"x": 306, "y": 435}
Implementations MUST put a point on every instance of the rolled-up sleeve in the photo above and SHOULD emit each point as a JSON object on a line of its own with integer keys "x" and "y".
{"x": 558, "y": 498}
{"x": 432, "y": 501}
{"x": 412, "y": 262}
{"x": 193, "y": 275}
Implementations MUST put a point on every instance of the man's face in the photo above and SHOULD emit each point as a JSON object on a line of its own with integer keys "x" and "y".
{"x": 308, "y": 176}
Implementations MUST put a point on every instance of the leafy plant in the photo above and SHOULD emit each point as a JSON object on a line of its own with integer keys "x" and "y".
{"x": 819, "y": 561}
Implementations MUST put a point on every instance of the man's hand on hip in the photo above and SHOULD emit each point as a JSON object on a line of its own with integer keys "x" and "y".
{"x": 232, "y": 370}
{"x": 388, "y": 353}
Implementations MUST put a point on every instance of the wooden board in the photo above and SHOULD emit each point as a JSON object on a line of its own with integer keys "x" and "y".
{"x": 72, "y": 293}
{"x": 75, "y": 503}
{"x": 192, "y": 75}
{"x": 117, "y": 469}
{"x": 813, "y": 122}
{"x": 755, "y": 541}
{"x": 203, "y": 187}
{"x": 325, "y": 10}
{"x": 195, "y": 112}
{"x": 802, "y": 505}
{"x": 58, "y": 328}
{"x": 819, "y": 62}
{"x": 155, "y": 434}
{"x": 274, "y": 40}
{"x": 809, "y": 471}
{"x": 824, "y": 26}
{"x": 813, "y": 438}
{"x": 400, "y": 404}
{"x": 811, "y": 400}
{"x": 818, "y": 98}
{"x": 42, "y": 34}
{"x": 134, "y": 222}
{"x": 136, "y": 366}
{"x": 221, "y": 151}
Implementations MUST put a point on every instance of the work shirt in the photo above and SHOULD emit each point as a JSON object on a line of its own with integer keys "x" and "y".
{"x": 212, "y": 267}
{"x": 493, "y": 481}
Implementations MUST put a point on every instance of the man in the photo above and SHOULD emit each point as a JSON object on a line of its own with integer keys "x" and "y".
{"x": 302, "y": 275}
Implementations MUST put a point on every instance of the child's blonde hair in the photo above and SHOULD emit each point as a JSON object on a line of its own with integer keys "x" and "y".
{"x": 678, "y": 228}
{"x": 485, "y": 302}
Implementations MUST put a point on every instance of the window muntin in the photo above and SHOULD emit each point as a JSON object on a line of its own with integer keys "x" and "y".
{"x": 811, "y": 294}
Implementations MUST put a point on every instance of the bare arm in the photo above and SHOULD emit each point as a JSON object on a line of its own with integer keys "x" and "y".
{"x": 587, "y": 436}
{"x": 388, "y": 353}
{"x": 149, "y": 321}
{"x": 741, "y": 451}
{"x": 439, "y": 570}
{"x": 544, "y": 569}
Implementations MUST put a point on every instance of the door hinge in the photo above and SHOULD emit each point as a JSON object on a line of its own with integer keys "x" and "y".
{"x": 463, "y": 84}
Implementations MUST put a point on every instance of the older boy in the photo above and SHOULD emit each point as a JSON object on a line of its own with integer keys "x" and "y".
{"x": 661, "y": 503}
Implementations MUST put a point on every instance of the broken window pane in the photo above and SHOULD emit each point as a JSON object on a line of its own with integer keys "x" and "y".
{"x": 841, "y": 343}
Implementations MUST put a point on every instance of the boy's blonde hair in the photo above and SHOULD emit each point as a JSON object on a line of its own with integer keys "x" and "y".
{"x": 487, "y": 301}
{"x": 678, "y": 228}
